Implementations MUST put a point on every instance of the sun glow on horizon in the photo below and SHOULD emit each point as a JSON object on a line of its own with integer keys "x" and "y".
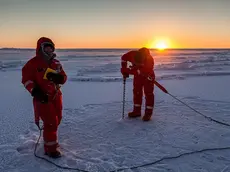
{"x": 159, "y": 44}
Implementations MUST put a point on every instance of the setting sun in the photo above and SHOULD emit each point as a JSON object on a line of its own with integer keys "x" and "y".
{"x": 161, "y": 45}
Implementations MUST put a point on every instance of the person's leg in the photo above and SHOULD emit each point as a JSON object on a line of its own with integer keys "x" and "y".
{"x": 137, "y": 97}
{"x": 50, "y": 123}
{"x": 149, "y": 99}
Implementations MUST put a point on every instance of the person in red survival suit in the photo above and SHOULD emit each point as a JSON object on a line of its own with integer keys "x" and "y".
{"x": 144, "y": 76}
{"x": 47, "y": 97}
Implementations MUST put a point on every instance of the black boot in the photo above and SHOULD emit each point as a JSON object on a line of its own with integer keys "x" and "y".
{"x": 135, "y": 113}
{"x": 56, "y": 154}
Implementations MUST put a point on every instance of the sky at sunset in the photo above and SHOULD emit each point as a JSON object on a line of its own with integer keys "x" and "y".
{"x": 116, "y": 23}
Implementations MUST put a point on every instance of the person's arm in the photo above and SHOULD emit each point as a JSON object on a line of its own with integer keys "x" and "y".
{"x": 58, "y": 78}
{"x": 28, "y": 76}
{"x": 128, "y": 57}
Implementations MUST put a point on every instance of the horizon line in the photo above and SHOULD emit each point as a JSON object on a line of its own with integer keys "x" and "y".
{"x": 114, "y": 48}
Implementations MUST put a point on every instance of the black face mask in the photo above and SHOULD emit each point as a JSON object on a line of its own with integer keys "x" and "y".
{"x": 47, "y": 55}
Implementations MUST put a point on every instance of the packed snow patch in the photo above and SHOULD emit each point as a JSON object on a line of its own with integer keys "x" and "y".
{"x": 94, "y": 138}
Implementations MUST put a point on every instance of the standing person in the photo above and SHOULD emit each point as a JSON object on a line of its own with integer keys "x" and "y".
{"x": 144, "y": 76}
{"x": 44, "y": 88}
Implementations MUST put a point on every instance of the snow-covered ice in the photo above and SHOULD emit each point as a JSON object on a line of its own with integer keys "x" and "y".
{"x": 92, "y": 135}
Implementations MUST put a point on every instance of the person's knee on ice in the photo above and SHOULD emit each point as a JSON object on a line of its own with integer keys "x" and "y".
{"x": 44, "y": 88}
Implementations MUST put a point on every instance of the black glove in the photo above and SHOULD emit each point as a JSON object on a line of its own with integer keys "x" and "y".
{"x": 125, "y": 75}
{"x": 124, "y": 72}
{"x": 38, "y": 94}
{"x": 55, "y": 77}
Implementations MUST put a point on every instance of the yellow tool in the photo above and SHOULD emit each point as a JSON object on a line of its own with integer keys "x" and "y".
{"x": 47, "y": 71}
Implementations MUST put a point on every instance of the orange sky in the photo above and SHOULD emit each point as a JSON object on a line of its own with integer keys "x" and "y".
{"x": 120, "y": 24}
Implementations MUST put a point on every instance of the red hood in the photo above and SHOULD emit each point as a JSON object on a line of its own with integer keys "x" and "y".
{"x": 42, "y": 40}
{"x": 144, "y": 51}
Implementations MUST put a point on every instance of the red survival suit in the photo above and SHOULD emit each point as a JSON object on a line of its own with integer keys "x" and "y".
{"x": 51, "y": 111}
{"x": 144, "y": 76}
